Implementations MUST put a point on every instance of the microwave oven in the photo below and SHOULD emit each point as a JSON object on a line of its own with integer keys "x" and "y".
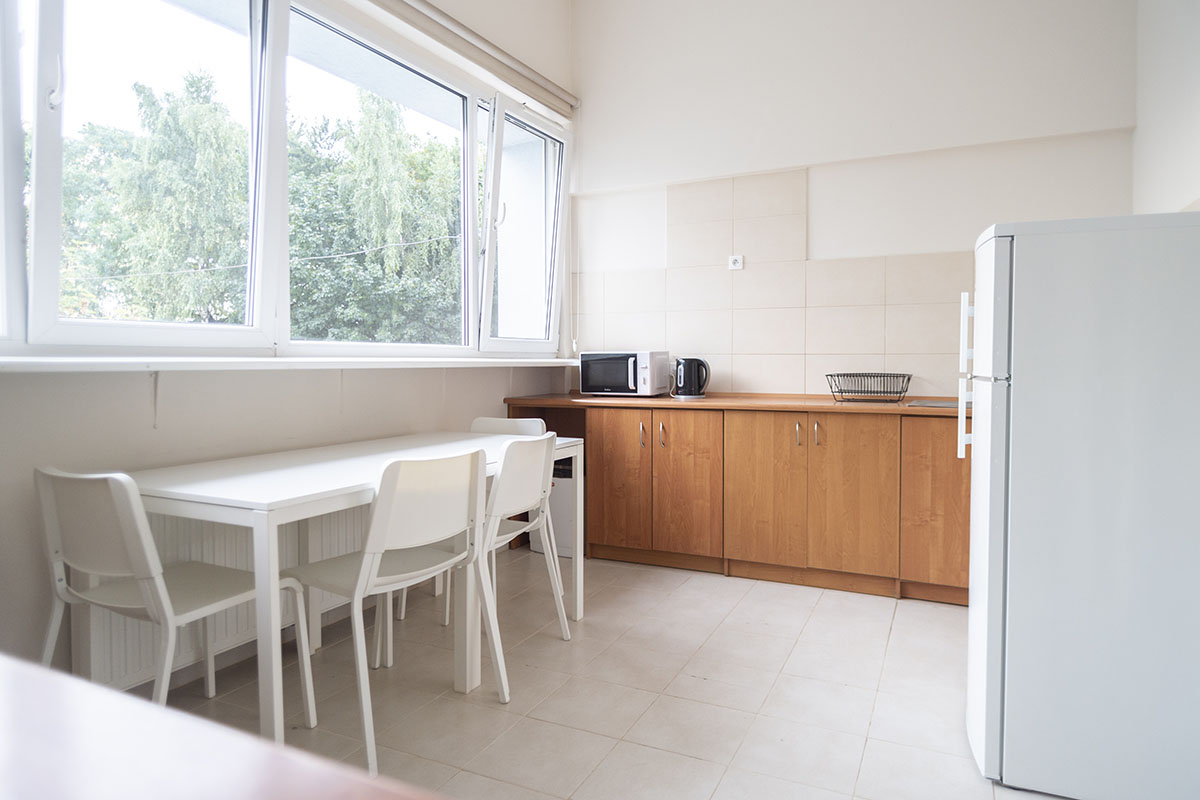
{"x": 646, "y": 373}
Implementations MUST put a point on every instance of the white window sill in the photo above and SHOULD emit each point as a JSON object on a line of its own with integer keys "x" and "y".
{"x": 233, "y": 363}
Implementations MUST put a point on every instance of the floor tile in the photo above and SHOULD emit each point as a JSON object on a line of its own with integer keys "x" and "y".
{"x": 547, "y": 650}
{"x": 624, "y": 601}
{"x": 802, "y": 753}
{"x": 635, "y": 772}
{"x": 739, "y": 785}
{"x": 683, "y": 638}
{"x": 743, "y": 648}
{"x": 692, "y": 729}
{"x": 636, "y": 667}
{"x": 1006, "y": 793}
{"x": 542, "y": 756}
{"x": 898, "y": 772}
{"x": 527, "y": 687}
{"x": 328, "y": 680}
{"x": 933, "y": 720}
{"x": 406, "y": 767}
{"x": 810, "y": 701}
{"x": 342, "y": 714}
{"x": 320, "y": 742}
{"x": 854, "y": 659}
{"x": 722, "y": 684}
{"x": 469, "y": 786}
{"x": 658, "y": 579}
{"x": 592, "y": 705}
{"x": 237, "y": 717}
{"x": 448, "y": 731}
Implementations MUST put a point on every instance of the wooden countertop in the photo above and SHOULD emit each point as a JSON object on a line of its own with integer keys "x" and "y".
{"x": 726, "y": 401}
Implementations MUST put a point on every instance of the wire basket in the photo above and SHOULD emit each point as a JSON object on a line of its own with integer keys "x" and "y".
{"x": 868, "y": 387}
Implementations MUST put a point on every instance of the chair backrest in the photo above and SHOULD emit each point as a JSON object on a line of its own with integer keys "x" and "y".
{"x": 96, "y": 524}
{"x": 518, "y": 427}
{"x": 422, "y": 501}
{"x": 523, "y": 476}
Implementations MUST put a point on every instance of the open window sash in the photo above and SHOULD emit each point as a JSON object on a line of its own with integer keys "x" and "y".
{"x": 524, "y": 231}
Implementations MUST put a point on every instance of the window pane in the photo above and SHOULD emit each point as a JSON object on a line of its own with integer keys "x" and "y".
{"x": 376, "y": 195}
{"x": 155, "y": 184}
{"x": 530, "y": 167}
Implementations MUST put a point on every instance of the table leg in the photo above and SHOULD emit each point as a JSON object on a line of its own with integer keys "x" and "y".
{"x": 267, "y": 615}
{"x": 304, "y": 544}
{"x": 466, "y": 630}
{"x": 575, "y": 605}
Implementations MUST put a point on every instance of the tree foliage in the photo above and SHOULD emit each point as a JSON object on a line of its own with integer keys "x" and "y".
{"x": 156, "y": 224}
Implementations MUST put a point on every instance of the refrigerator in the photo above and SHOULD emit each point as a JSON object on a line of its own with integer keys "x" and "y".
{"x": 1080, "y": 357}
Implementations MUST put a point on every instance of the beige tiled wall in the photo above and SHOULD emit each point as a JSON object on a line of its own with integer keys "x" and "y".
{"x": 651, "y": 272}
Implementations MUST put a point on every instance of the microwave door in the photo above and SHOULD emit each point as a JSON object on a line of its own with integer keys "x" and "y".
{"x": 615, "y": 374}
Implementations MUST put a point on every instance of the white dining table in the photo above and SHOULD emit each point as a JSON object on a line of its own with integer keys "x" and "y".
{"x": 264, "y": 492}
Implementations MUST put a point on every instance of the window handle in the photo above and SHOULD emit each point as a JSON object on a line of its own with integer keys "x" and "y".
{"x": 503, "y": 215}
{"x": 54, "y": 97}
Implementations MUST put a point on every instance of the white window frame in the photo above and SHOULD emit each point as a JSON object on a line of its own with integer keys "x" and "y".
{"x": 503, "y": 107}
{"x": 12, "y": 181}
{"x": 45, "y": 224}
{"x": 32, "y": 320}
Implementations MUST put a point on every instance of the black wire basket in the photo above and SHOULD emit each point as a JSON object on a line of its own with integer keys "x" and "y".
{"x": 868, "y": 387}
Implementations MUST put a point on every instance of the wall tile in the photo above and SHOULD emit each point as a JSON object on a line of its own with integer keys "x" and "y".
{"x": 930, "y": 278}
{"x": 846, "y": 282}
{"x": 769, "y": 330}
{"x": 845, "y": 329}
{"x": 694, "y": 288}
{"x": 720, "y": 367}
{"x": 926, "y": 328}
{"x": 588, "y": 289}
{"x": 935, "y": 375}
{"x": 816, "y": 367}
{"x": 770, "y": 238}
{"x": 639, "y": 290}
{"x": 704, "y": 201}
{"x": 589, "y": 331}
{"x": 766, "y": 285}
{"x": 768, "y": 373}
{"x": 699, "y": 244}
{"x": 626, "y": 230}
{"x": 770, "y": 194}
{"x": 691, "y": 332}
{"x": 641, "y": 330}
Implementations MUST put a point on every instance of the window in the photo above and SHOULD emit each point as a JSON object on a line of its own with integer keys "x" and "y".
{"x": 238, "y": 174}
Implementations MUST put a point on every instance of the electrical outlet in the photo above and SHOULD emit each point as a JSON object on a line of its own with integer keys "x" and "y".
{"x": 735, "y": 262}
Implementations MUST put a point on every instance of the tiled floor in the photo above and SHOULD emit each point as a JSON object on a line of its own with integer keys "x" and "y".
{"x": 676, "y": 685}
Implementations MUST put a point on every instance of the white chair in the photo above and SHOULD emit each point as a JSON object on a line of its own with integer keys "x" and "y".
{"x": 427, "y": 517}
{"x": 502, "y": 425}
{"x": 96, "y": 525}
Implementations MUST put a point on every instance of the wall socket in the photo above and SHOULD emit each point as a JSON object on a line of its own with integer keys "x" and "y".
{"x": 735, "y": 262}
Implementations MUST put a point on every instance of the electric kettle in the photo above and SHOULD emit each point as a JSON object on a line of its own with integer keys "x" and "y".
{"x": 691, "y": 378}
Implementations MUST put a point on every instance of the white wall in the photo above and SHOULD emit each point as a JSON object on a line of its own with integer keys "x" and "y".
{"x": 1166, "y": 144}
{"x": 107, "y": 421}
{"x": 677, "y": 90}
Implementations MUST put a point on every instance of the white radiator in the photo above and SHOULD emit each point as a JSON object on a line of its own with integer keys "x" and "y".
{"x": 121, "y": 652}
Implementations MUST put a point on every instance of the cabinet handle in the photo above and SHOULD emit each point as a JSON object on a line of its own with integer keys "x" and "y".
{"x": 642, "y": 433}
{"x": 661, "y": 443}
{"x": 816, "y": 434}
{"x": 797, "y": 433}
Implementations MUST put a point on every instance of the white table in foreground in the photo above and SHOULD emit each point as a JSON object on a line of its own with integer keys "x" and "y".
{"x": 266, "y": 491}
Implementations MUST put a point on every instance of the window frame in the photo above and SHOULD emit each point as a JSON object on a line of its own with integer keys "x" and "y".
{"x": 268, "y": 328}
{"x": 12, "y": 181}
{"x": 504, "y": 107}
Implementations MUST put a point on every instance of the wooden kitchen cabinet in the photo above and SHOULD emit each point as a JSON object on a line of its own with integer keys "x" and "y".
{"x": 854, "y": 493}
{"x": 935, "y": 503}
{"x": 687, "y": 465}
{"x": 618, "y": 466}
{"x": 766, "y": 487}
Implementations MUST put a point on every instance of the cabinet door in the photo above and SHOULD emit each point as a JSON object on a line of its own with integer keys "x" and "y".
{"x": 935, "y": 503}
{"x": 854, "y": 493}
{"x": 766, "y": 486}
{"x": 618, "y": 453}
{"x": 687, "y": 481}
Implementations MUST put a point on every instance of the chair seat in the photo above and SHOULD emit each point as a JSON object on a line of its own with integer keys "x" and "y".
{"x": 511, "y": 529}
{"x": 196, "y": 589}
{"x": 398, "y": 567}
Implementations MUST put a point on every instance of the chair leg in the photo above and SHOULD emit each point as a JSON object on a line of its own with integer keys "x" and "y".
{"x": 446, "y": 595}
{"x": 210, "y": 657}
{"x": 305, "y": 656}
{"x": 364, "y": 687}
{"x": 166, "y": 656}
{"x": 389, "y": 632}
{"x": 553, "y": 547}
{"x": 555, "y": 580}
{"x": 56, "y": 618}
{"x": 402, "y": 609}
{"x": 380, "y": 615}
{"x": 492, "y": 625}
{"x": 492, "y": 565}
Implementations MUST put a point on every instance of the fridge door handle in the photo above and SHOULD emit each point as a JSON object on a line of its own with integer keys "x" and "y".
{"x": 964, "y": 397}
{"x": 966, "y": 311}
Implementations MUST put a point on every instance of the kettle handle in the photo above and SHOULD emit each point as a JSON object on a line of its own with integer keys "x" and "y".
{"x": 704, "y": 381}
{"x": 674, "y": 378}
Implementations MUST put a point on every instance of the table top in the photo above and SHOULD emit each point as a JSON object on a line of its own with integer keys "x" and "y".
{"x": 277, "y": 480}
{"x": 66, "y": 738}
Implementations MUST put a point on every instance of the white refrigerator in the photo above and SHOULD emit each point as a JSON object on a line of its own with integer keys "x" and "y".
{"x": 1083, "y": 673}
